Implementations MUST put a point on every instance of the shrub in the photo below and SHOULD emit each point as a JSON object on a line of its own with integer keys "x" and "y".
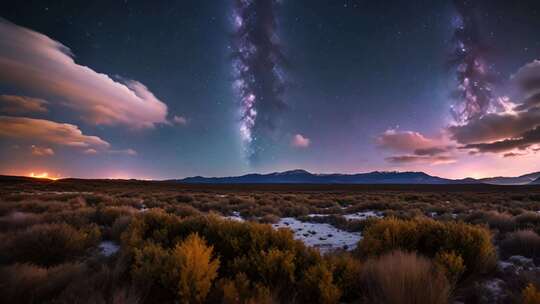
{"x": 531, "y": 295}
{"x": 107, "y": 215}
{"x": 184, "y": 198}
{"x": 19, "y": 220}
{"x": 524, "y": 242}
{"x": 269, "y": 219}
{"x": 48, "y": 244}
{"x": 403, "y": 278}
{"x": 192, "y": 268}
{"x": 346, "y": 271}
{"x": 183, "y": 210}
{"x": 452, "y": 265}
{"x": 77, "y": 218}
{"x": 528, "y": 220}
{"x": 100, "y": 285}
{"x": 25, "y": 283}
{"x": 268, "y": 258}
{"x": 240, "y": 290}
{"x": 429, "y": 237}
{"x": 119, "y": 226}
{"x": 318, "y": 286}
{"x": 502, "y": 222}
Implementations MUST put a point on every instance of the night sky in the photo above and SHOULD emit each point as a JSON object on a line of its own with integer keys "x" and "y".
{"x": 169, "y": 89}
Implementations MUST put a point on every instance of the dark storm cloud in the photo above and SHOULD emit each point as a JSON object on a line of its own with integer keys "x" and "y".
{"x": 512, "y": 154}
{"x": 496, "y": 126}
{"x": 258, "y": 79}
{"x": 515, "y": 128}
{"x": 530, "y": 102}
{"x": 406, "y": 159}
{"x": 522, "y": 142}
{"x": 431, "y": 151}
{"x": 528, "y": 80}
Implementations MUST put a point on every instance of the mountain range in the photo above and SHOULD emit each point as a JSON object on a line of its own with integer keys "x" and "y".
{"x": 299, "y": 176}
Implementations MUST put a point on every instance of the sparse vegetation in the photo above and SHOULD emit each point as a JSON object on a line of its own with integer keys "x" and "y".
{"x": 177, "y": 245}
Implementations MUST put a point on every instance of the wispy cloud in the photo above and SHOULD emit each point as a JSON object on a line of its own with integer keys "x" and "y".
{"x": 180, "y": 120}
{"x": 41, "y": 151}
{"x": 48, "y": 132}
{"x": 15, "y": 105}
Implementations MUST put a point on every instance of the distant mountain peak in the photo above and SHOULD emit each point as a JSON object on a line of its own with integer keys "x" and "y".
{"x": 293, "y": 172}
{"x": 300, "y": 176}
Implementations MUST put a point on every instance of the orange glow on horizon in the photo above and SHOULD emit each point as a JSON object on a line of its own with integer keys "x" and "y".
{"x": 43, "y": 175}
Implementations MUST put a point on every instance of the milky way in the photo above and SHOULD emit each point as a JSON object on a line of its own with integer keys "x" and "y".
{"x": 473, "y": 95}
{"x": 257, "y": 72}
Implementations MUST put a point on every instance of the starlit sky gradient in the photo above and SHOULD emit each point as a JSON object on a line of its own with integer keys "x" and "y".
{"x": 170, "y": 89}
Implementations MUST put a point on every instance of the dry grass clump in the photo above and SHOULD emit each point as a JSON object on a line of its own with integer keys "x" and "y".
{"x": 528, "y": 220}
{"x": 403, "y": 278}
{"x": 523, "y": 242}
{"x": 500, "y": 222}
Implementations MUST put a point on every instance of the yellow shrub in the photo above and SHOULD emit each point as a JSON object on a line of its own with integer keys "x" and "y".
{"x": 452, "y": 264}
{"x": 531, "y": 295}
{"x": 318, "y": 286}
{"x": 346, "y": 270}
{"x": 192, "y": 267}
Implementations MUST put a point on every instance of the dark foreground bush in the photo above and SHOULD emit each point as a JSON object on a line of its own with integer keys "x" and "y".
{"x": 47, "y": 244}
{"x": 25, "y": 283}
{"x": 429, "y": 238}
{"x": 404, "y": 278}
{"x": 524, "y": 242}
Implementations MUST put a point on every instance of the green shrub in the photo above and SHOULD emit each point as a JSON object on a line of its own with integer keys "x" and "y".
{"x": 429, "y": 237}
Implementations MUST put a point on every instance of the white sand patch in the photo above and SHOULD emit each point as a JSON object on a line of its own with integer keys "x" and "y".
{"x": 494, "y": 290}
{"x": 362, "y": 215}
{"x": 108, "y": 248}
{"x": 235, "y": 217}
{"x": 325, "y": 237}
